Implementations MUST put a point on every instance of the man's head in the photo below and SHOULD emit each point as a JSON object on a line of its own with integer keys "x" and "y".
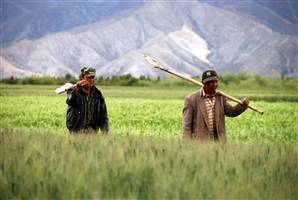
{"x": 88, "y": 74}
{"x": 209, "y": 75}
{"x": 210, "y": 81}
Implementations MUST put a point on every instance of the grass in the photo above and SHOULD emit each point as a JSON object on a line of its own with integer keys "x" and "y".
{"x": 45, "y": 166}
{"x": 144, "y": 156}
{"x": 150, "y": 117}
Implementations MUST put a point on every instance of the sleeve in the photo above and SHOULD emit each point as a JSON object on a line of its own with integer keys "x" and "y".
{"x": 71, "y": 97}
{"x": 103, "y": 117}
{"x": 233, "y": 111}
{"x": 188, "y": 113}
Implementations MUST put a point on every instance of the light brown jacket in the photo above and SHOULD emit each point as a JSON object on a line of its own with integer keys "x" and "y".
{"x": 195, "y": 116}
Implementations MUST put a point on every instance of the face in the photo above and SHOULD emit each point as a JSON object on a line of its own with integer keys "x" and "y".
{"x": 90, "y": 80}
{"x": 211, "y": 86}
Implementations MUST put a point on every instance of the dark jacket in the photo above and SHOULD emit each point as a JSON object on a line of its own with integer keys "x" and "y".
{"x": 75, "y": 116}
{"x": 195, "y": 116}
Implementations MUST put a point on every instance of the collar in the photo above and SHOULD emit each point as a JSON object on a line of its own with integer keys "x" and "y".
{"x": 205, "y": 95}
{"x": 90, "y": 92}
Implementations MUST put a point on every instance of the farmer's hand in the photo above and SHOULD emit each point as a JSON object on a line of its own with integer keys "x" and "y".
{"x": 83, "y": 82}
{"x": 79, "y": 84}
{"x": 245, "y": 102}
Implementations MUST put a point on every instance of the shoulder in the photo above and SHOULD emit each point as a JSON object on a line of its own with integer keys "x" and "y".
{"x": 221, "y": 97}
{"x": 98, "y": 93}
{"x": 193, "y": 96}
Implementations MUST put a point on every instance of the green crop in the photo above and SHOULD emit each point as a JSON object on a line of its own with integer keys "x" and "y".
{"x": 41, "y": 165}
{"x": 144, "y": 156}
{"x": 152, "y": 117}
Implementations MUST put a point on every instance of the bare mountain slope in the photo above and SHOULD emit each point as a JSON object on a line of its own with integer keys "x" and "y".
{"x": 188, "y": 36}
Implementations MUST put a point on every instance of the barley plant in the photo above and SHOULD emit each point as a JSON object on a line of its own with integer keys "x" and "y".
{"x": 144, "y": 156}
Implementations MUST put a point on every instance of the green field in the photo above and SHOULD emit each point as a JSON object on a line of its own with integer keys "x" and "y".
{"x": 144, "y": 156}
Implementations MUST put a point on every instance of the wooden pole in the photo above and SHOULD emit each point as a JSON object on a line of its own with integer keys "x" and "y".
{"x": 157, "y": 65}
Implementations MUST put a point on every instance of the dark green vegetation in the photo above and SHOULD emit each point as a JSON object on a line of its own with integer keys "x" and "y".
{"x": 241, "y": 80}
{"x": 144, "y": 156}
{"x": 255, "y": 87}
{"x": 277, "y": 90}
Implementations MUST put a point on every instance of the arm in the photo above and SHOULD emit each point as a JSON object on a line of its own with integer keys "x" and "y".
{"x": 103, "y": 117}
{"x": 72, "y": 92}
{"x": 71, "y": 97}
{"x": 187, "y": 118}
{"x": 231, "y": 111}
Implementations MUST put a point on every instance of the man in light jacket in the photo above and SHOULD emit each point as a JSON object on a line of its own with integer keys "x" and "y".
{"x": 204, "y": 111}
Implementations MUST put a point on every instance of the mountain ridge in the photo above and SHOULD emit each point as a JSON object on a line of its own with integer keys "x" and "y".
{"x": 115, "y": 46}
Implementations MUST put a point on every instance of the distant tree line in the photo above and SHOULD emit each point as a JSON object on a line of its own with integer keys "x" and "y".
{"x": 125, "y": 80}
{"x": 230, "y": 80}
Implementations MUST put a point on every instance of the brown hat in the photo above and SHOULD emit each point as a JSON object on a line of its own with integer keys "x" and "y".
{"x": 209, "y": 75}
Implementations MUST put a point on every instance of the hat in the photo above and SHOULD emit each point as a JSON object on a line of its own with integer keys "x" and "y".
{"x": 88, "y": 71}
{"x": 82, "y": 71}
{"x": 209, "y": 75}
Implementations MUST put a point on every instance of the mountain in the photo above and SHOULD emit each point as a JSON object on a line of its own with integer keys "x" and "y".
{"x": 189, "y": 36}
{"x": 35, "y": 19}
{"x": 11, "y": 70}
{"x": 279, "y": 15}
{"x": 287, "y": 9}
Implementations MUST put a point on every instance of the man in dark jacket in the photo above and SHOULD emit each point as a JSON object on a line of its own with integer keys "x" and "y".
{"x": 204, "y": 111}
{"x": 87, "y": 111}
